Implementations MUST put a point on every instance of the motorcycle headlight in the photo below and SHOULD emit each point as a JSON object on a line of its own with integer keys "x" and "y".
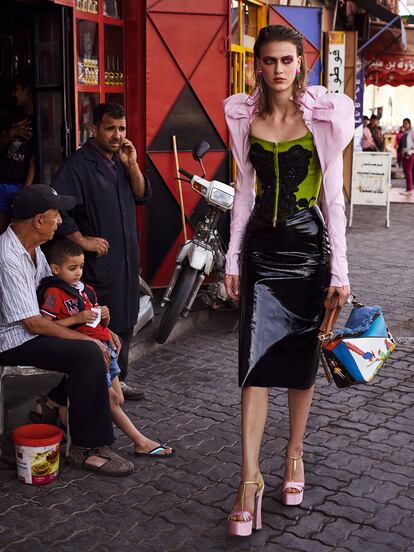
{"x": 221, "y": 198}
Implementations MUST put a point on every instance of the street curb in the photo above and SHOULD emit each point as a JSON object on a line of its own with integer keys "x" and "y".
{"x": 144, "y": 343}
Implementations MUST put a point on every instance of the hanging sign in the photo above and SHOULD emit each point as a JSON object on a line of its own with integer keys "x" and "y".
{"x": 393, "y": 69}
{"x": 336, "y": 61}
{"x": 371, "y": 181}
{"x": 359, "y": 104}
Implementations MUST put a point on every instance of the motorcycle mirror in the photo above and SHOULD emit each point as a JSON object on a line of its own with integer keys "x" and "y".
{"x": 200, "y": 149}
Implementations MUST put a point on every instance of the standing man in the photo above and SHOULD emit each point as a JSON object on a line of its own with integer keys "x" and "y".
{"x": 376, "y": 132}
{"x": 17, "y": 159}
{"x": 26, "y": 338}
{"x": 105, "y": 178}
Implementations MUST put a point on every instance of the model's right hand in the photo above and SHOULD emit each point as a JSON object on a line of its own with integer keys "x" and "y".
{"x": 85, "y": 316}
{"x": 100, "y": 246}
{"x": 232, "y": 283}
{"x": 22, "y": 129}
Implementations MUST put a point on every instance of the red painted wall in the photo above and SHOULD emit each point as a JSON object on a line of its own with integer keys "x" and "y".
{"x": 135, "y": 95}
{"x": 187, "y": 77}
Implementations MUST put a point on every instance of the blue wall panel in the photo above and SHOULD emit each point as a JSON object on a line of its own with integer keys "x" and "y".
{"x": 309, "y": 22}
{"x": 306, "y": 20}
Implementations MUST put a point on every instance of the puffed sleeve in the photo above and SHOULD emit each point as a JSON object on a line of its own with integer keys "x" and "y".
{"x": 333, "y": 127}
{"x": 238, "y": 115}
{"x": 334, "y": 113}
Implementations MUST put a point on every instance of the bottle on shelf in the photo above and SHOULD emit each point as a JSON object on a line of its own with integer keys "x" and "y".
{"x": 106, "y": 73}
{"x": 116, "y": 70}
{"x": 111, "y": 8}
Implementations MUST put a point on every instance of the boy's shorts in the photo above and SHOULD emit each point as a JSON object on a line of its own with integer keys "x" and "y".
{"x": 7, "y": 194}
{"x": 113, "y": 370}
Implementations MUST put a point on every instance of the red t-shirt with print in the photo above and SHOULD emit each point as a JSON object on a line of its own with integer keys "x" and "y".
{"x": 60, "y": 305}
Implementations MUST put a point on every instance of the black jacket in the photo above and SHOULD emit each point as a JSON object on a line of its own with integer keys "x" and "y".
{"x": 105, "y": 207}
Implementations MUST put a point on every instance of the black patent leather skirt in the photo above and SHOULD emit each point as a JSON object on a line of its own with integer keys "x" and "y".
{"x": 285, "y": 277}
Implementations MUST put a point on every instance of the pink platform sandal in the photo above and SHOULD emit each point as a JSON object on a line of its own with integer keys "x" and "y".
{"x": 249, "y": 521}
{"x": 292, "y": 491}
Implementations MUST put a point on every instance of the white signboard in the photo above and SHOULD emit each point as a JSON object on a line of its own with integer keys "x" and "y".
{"x": 371, "y": 181}
{"x": 336, "y": 61}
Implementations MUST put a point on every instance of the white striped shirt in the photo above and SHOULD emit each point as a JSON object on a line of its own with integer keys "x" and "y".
{"x": 19, "y": 278}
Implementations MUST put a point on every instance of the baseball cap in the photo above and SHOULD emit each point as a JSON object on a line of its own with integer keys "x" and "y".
{"x": 39, "y": 198}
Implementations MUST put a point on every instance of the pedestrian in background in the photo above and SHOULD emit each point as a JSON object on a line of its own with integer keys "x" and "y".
{"x": 376, "y": 132}
{"x": 17, "y": 158}
{"x": 368, "y": 143}
{"x": 106, "y": 180}
{"x": 407, "y": 152}
{"x": 279, "y": 264}
{"x": 398, "y": 145}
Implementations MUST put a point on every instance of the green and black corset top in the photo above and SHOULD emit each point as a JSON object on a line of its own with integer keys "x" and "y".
{"x": 288, "y": 176}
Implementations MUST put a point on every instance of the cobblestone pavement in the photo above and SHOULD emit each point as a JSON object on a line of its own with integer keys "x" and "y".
{"x": 358, "y": 455}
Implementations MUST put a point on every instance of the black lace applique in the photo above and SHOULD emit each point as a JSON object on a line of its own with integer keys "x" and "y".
{"x": 264, "y": 165}
{"x": 293, "y": 169}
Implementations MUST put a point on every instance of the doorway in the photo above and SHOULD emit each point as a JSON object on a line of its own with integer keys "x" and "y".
{"x": 35, "y": 39}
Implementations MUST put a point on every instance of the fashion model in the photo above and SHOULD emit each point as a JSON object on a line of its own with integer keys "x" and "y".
{"x": 286, "y": 255}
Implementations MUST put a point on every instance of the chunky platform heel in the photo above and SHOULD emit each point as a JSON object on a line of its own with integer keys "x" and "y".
{"x": 243, "y": 527}
{"x": 292, "y": 491}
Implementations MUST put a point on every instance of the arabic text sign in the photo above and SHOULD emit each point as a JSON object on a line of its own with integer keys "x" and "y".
{"x": 336, "y": 62}
{"x": 371, "y": 178}
{"x": 391, "y": 63}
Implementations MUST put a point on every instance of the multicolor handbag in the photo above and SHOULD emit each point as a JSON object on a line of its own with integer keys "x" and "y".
{"x": 355, "y": 353}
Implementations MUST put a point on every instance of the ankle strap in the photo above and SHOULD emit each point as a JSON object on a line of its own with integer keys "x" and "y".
{"x": 258, "y": 484}
{"x": 294, "y": 457}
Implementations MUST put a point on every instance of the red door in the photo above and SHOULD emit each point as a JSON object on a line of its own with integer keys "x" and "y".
{"x": 187, "y": 77}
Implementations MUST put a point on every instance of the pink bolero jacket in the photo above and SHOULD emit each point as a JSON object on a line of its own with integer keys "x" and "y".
{"x": 330, "y": 118}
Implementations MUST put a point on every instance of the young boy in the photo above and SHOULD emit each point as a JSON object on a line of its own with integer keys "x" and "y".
{"x": 65, "y": 299}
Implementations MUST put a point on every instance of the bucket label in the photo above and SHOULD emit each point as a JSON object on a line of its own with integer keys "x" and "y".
{"x": 37, "y": 465}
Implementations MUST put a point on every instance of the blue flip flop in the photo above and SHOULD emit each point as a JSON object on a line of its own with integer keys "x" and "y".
{"x": 157, "y": 452}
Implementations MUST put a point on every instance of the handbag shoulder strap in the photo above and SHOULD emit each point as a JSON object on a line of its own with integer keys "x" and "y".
{"x": 332, "y": 312}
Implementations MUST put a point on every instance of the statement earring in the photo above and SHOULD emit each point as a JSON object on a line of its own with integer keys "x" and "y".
{"x": 298, "y": 77}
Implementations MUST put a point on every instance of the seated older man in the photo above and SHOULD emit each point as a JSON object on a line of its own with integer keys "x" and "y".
{"x": 27, "y": 338}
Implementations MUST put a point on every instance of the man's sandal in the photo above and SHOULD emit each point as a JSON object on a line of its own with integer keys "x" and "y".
{"x": 47, "y": 415}
{"x": 157, "y": 452}
{"x": 116, "y": 466}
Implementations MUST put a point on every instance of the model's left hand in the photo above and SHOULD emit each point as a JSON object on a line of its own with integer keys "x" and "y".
{"x": 127, "y": 153}
{"x": 342, "y": 292}
{"x": 115, "y": 343}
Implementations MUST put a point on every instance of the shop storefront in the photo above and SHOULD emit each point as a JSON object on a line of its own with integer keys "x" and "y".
{"x": 76, "y": 60}
{"x": 34, "y": 38}
{"x": 388, "y": 60}
{"x": 169, "y": 62}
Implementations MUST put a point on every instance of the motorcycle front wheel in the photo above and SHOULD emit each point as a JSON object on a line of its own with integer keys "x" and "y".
{"x": 178, "y": 300}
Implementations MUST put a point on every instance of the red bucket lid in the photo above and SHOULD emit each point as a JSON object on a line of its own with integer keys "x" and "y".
{"x": 37, "y": 435}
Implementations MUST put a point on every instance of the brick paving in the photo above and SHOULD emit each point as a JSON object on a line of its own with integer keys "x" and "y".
{"x": 358, "y": 455}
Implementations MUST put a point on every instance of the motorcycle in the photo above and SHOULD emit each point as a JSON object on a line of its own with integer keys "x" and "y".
{"x": 146, "y": 310}
{"x": 199, "y": 256}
